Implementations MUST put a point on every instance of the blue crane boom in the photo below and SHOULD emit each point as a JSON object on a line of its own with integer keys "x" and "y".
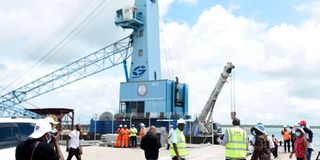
{"x": 98, "y": 61}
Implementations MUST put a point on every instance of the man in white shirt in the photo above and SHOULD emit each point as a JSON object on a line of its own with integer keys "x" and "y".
{"x": 171, "y": 130}
{"x": 74, "y": 148}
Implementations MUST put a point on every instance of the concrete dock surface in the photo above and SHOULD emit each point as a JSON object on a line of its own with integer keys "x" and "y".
{"x": 196, "y": 152}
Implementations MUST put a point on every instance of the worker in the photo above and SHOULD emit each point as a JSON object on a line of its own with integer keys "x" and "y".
{"x": 171, "y": 130}
{"x": 178, "y": 146}
{"x": 286, "y": 139}
{"x": 143, "y": 131}
{"x": 235, "y": 140}
{"x": 133, "y": 136}
{"x": 125, "y": 137}
{"x": 119, "y": 136}
{"x": 308, "y": 136}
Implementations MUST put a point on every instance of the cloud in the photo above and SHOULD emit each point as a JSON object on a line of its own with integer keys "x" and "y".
{"x": 311, "y": 8}
{"x": 2, "y": 66}
{"x": 273, "y": 64}
{"x": 39, "y": 22}
{"x": 189, "y": 2}
{"x": 164, "y": 7}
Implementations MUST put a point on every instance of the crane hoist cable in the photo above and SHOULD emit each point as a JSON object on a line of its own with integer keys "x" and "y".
{"x": 232, "y": 95}
{"x": 169, "y": 50}
{"x": 165, "y": 49}
{"x": 83, "y": 24}
{"x": 12, "y": 76}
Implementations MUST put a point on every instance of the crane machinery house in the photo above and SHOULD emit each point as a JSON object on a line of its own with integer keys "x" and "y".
{"x": 144, "y": 93}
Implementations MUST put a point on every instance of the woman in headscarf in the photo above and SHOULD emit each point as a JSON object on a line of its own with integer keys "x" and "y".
{"x": 261, "y": 143}
{"x": 300, "y": 145}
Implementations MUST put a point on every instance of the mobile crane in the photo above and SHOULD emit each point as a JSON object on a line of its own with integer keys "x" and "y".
{"x": 204, "y": 124}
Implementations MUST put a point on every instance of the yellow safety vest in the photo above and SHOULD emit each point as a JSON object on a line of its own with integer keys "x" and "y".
{"x": 236, "y": 148}
{"x": 181, "y": 144}
{"x": 133, "y": 132}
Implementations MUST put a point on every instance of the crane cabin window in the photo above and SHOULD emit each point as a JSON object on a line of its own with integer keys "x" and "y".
{"x": 140, "y": 52}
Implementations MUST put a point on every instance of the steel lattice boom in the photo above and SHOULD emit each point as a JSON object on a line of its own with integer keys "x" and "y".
{"x": 98, "y": 61}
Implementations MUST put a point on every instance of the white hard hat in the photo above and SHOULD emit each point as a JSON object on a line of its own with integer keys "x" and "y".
{"x": 42, "y": 127}
{"x": 142, "y": 125}
{"x": 51, "y": 120}
{"x": 125, "y": 126}
{"x": 120, "y": 125}
{"x": 181, "y": 121}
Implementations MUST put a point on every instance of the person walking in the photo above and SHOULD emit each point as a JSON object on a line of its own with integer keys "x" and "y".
{"x": 276, "y": 144}
{"x": 37, "y": 146}
{"x": 286, "y": 139}
{"x": 292, "y": 137}
{"x": 235, "y": 140}
{"x": 261, "y": 143}
{"x": 150, "y": 144}
{"x": 143, "y": 131}
{"x": 308, "y": 136}
{"x": 74, "y": 147}
{"x": 125, "y": 137}
{"x": 52, "y": 119}
{"x": 171, "y": 130}
{"x": 300, "y": 145}
{"x": 133, "y": 136}
{"x": 178, "y": 147}
{"x": 119, "y": 136}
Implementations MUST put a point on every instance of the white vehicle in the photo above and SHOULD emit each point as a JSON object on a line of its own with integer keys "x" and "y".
{"x": 12, "y": 132}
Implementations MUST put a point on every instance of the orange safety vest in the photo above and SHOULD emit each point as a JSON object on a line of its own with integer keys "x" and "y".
{"x": 126, "y": 133}
{"x": 286, "y": 135}
{"x": 143, "y": 132}
{"x": 119, "y": 131}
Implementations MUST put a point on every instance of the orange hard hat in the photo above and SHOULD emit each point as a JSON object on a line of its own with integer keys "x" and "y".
{"x": 303, "y": 122}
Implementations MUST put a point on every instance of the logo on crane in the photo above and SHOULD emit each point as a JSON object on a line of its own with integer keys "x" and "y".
{"x": 138, "y": 71}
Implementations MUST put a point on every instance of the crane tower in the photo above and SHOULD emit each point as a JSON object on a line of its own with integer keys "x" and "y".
{"x": 145, "y": 94}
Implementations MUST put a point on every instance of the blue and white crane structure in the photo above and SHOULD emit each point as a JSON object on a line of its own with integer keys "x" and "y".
{"x": 144, "y": 93}
{"x": 98, "y": 61}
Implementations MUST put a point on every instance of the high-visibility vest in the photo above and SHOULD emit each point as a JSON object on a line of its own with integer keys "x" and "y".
{"x": 119, "y": 131}
{"x": 181, "y": 145}
{"x": 133, "y": 132}
{"x": 236, "y": 147}
{"x": 125, "y": 133}
{"x": 143, "y": 132}
{"x": 286, "y": 135}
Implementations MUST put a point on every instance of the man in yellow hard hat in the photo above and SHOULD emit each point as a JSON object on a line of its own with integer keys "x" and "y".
{"x": 178, "y": 146}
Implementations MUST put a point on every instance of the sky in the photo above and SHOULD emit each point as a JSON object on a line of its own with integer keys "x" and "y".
{"x": 273, "y": 44}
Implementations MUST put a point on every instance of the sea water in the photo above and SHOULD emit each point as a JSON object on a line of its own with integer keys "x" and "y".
{"x": 277, "y": 133}
{"x": 316, "y": 135}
